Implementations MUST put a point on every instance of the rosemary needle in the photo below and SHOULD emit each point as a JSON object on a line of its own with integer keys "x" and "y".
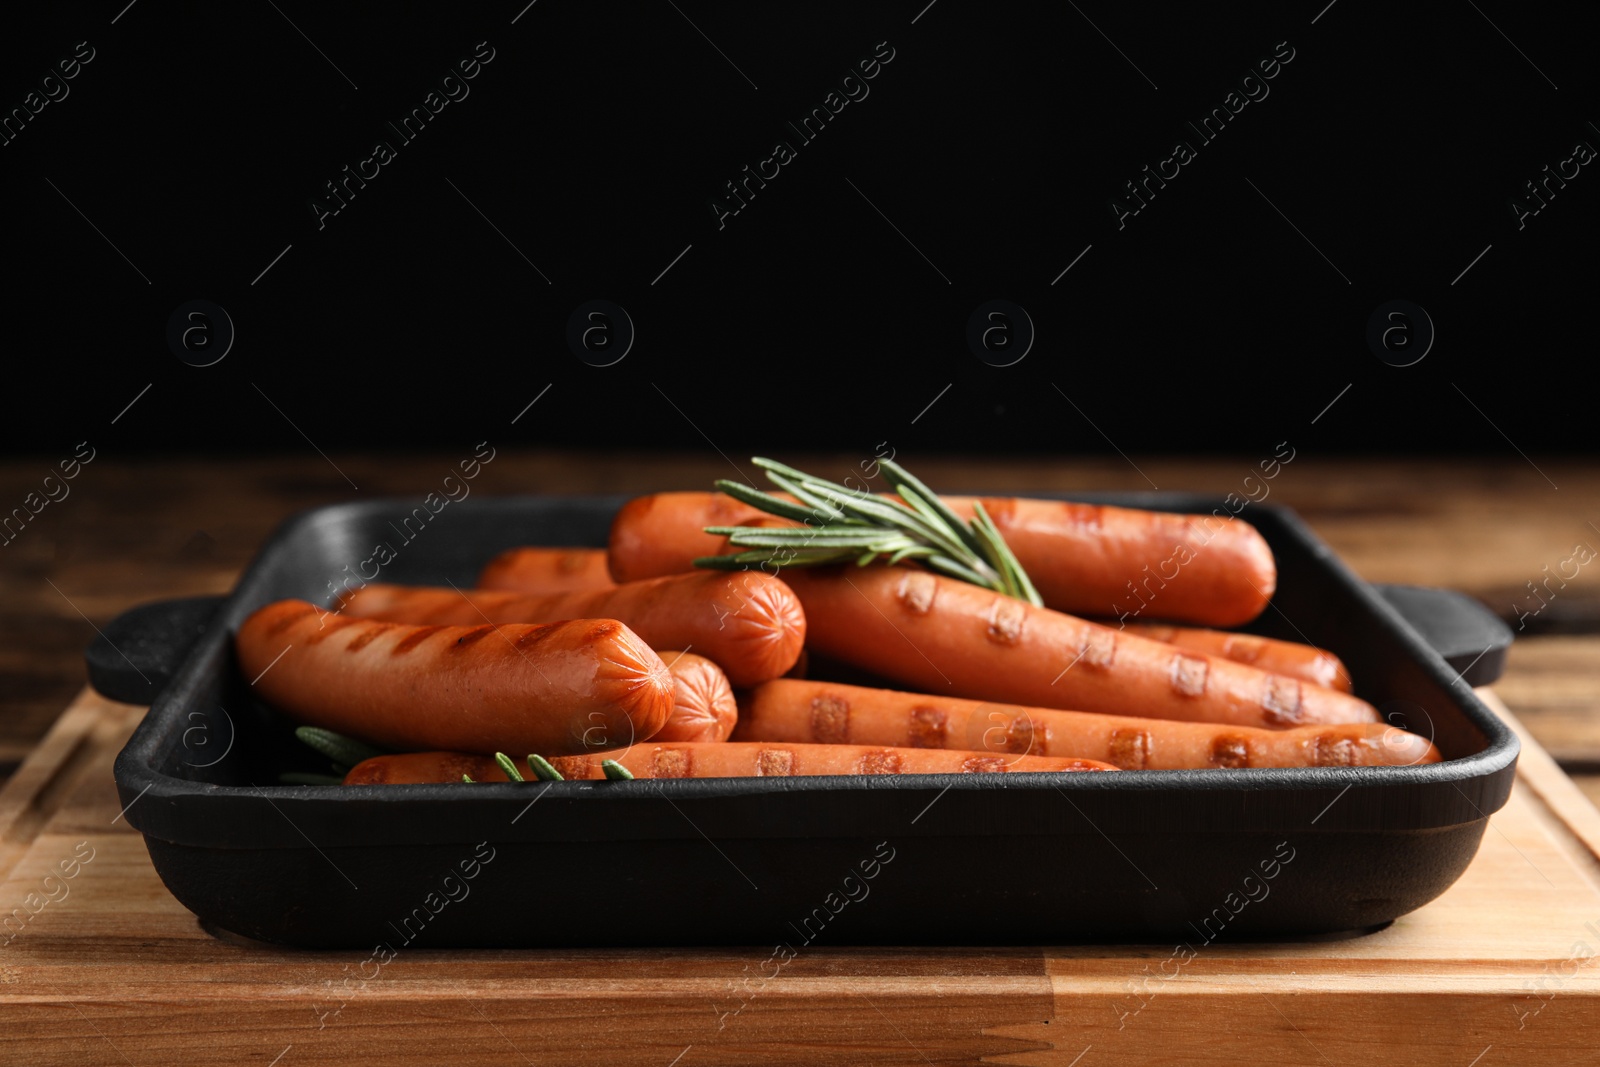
{"x": 510, "y": 768}
{"x": 843, "y": 525}
{"x": 544, "y": 770}
{"x": 343, "y": 751}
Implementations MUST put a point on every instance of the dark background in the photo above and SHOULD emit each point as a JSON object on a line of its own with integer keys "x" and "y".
{"x": 832, "y": 310}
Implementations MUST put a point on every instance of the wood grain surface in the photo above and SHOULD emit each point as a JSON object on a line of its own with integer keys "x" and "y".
{"x": 104, "y": 966}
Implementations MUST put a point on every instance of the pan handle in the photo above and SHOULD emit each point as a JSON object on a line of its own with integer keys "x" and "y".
{"x": 138, "y": 652}
{"x": 1470, "y": 637}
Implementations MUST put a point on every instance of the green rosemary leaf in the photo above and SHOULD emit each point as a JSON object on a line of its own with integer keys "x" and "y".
{"x": 509, "y": 767}
{"x": 467, "y": 778}
{"x": 772, "y": 466}
{"x": 733, "y": 562}
{"x": 344, "y": 751}
{"x": 937, "y": 532}
{"x": 824, "y": 494}
{"x": 844, "y": 537}
{"x": 1017, "y": 578}
{"x": 543, "y": 770}
{"x": 616, "y": 771}
{"x": 887, "y": 513}
{"x": 934, "y": 512}
{"x": 901, "y": 478}
{"x": 958, "y": 569}
{"x": 801, "y": 535}
{"x": 843, "y": 524}
{"x": 821, "y": 509}
{"x": 1003, "y": 558}
{"x": 986, "y": 539}
{"x": 929, "y": 513}
{"x": 783, "y": 558}
{"x": 767, "y": 502}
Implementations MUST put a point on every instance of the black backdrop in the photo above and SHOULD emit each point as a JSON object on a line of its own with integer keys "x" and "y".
{"x": 979, "y": 162}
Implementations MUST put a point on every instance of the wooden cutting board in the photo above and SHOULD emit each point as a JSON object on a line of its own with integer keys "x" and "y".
{"x": 105, "y": 967}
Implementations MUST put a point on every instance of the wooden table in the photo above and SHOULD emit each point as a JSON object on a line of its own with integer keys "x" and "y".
{"x": 115, "y": 971}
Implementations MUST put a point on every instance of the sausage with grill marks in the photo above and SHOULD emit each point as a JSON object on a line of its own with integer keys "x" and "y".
{"x": 565, "y": 687}
{"x": 827, "y": 713}
{"x": 941, "y": 635}
{"x": 532, "y": 569}
{"x": 748, "y": 623}
{"x": 1306, "y": 662}
{"x": 1089, "y": 559}
{"x": 719, "y": 760}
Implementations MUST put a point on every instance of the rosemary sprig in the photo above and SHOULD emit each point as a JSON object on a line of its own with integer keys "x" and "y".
{"x": 841, "y": 525}
{"x": 342, "y": 752}
{"x": 337, "y": 747}
{"x": 544, "y": 770}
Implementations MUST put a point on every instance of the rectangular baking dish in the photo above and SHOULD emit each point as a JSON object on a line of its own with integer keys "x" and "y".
{"x": 938, "y": 859}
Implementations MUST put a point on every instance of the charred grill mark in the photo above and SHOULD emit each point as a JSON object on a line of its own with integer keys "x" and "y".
{"x": 1189, "y": 674}
{"x": 879, "y": 762}
{"x": 531, "y": 636}
{"x": 472, "y": 637}
{"x": 927, "y": 729}
{"x": 368, "y": 635}
{"x": 1001, "y": 509}
{"x": 413, "y": 639}
{"x": 570, "y": 766}
{"x": 1130, "y": 749}
{"x": 328, "y": 627}
{"x": 774, "y": 763}
{"x": 1019, "y": 735}
{"x": 1089, "y": 518}
{"x": 983, "y": 765}
{"x": 460, "y": 764}
{"x": 1331, "y": 750}
{"x": 603, "y": 629}
{"x": 1005, "y": 621}
{"x": 1098, "y": 647}
{"x": 1281, "y": 701}
{"x": 1242, "y": 648}
{"x": 671, "y": 763}
{"x": 917, "y": 591}
{"x": 1230, "y": 750}
{"x": 830, "y": 720}
{"x": 287, "y": 618}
